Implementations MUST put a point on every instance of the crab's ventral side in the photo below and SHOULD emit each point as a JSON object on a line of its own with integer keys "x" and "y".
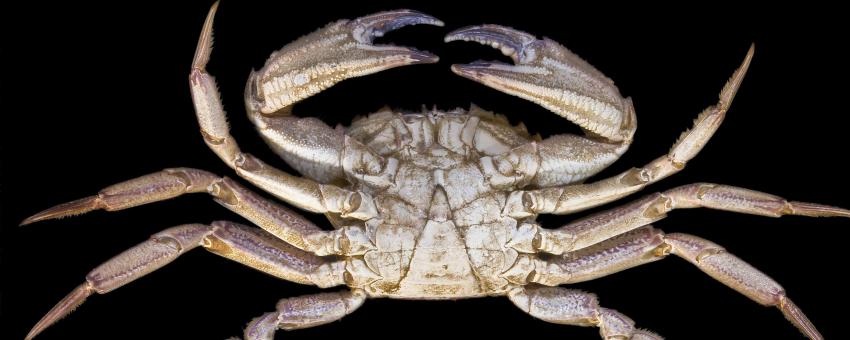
{"x": 436, "y": 205}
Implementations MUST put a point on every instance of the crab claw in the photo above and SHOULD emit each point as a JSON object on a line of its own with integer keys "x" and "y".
{"x": 548, "y": 74}
{"x": 339, "y": 51}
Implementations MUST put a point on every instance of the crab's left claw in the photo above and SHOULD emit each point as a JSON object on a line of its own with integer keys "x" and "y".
{"x": 548, "y": 74}
{"x": 339, "y": 51}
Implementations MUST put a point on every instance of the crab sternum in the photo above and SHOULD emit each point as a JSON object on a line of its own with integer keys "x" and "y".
{"x": 439, "y": 265}
{"x": 440, "y": 233}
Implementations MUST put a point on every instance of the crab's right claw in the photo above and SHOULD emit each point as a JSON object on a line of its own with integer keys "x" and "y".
{"x": 548, "y": 74}
{"x": 339, "y": 51}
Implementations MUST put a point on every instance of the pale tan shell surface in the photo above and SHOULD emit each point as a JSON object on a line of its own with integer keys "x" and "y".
{"x": 97, "y": 94}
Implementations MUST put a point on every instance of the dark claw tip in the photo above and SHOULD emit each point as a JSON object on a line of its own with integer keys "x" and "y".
{"x": 366, "y": 28}
{"x": 512, "y": 43}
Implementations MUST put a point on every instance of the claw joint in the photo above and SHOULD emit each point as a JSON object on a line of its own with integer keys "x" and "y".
{"x": 515, "y": 168}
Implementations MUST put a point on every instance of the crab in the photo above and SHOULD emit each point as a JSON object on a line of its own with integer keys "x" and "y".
{"x": 438, "y": 204}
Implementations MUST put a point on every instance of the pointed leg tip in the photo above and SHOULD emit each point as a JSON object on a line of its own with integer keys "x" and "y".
{"x": 817, "y": 210}
{"x": 76, "y": 207}
{"x": 210, "y": 17}
{"x": 838, "y": 212}
{"x": 38, "y": 217}
{"x": 727, "y": 94}
{"x": 35, "y": 331}
{"x": 29, "y": 220}
{"x": 62, "y": 309}
{"x": 796, "y": 316}
{"x": 204, "y": 48}
{"x": 749, "y": 57}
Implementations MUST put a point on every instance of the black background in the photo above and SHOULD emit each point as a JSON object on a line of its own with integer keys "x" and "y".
{"x": 96, "y": 94}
